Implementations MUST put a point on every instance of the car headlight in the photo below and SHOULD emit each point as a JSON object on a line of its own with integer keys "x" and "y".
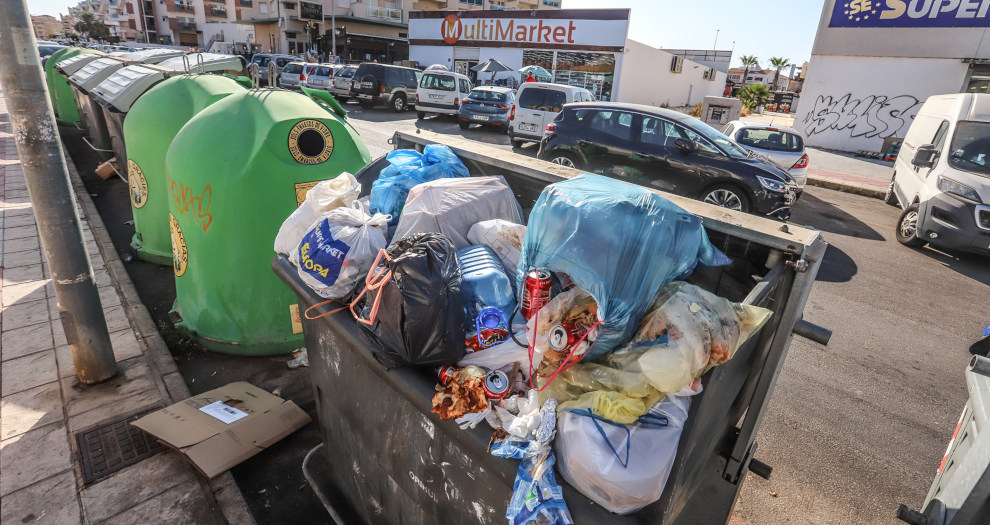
{"x": 773, "y": 185}
{"x": 958, "y": 189}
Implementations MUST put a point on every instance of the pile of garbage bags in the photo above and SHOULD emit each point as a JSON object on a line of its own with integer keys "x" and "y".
{"x": 574, "y": 337}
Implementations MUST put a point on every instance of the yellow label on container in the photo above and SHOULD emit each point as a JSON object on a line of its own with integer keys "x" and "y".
{"x": 296, "y": 319}
{"x": 302, "y": 188}
{"x": 310, "y": 142}
{"x": 137, "y": 184}
{"x": 180, "y": 254}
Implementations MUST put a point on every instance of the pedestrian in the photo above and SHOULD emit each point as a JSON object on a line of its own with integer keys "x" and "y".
{"x": 530, "y": 77}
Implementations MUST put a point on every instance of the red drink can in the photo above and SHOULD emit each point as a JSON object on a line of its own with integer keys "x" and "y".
{"x": 535, "y": 293}
{"x": 565, "y": 335}
{"x": 496, "y": 385}
{"x": 445, "y": 374}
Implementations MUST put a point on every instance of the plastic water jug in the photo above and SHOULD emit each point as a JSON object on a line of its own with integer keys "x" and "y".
{"x": 483, "y": 284}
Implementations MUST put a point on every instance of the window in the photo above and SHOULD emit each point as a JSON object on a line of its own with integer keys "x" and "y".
{"x": 440, "y": 82}
{"x": 532, "y": 98}
{"x": 393, "y": 76}
{"x": 970, "y": 146}
{"x": 617, "y": 124}
{"x": 465, "y": 86}
{"x": 292, "y": 68}
{"x": 281, "y": 62}
{"x": 485, "y": 95}
{"x": 409, "y": 77}
{"x": 770, "y": 139}
{"x": 728, "y": 146}
{"x": 321, "y": 71}
{"x": 261, "y": 60}
{"x": 555, "y": 100}
{"x": 658, "y": 132}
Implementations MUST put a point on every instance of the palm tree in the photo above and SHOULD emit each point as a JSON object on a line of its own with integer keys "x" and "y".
{"x": 86, "y": 23}
{"x": 778, "y": 63}
{"x": 754, "y": 96}
{"x": 748, "y": 61}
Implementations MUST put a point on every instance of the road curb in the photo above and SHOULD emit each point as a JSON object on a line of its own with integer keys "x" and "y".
{"x": 230, "y": 503}
{"x": 873, "y": 191}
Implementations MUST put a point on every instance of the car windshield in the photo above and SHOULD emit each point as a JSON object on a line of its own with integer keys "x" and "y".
{"x": 260, "y": 60}
{"x": 347, "y": 72}
{"x": 970, "y": 148}
{"x": 770, "y": 139}
{"x": 440, "y": 82}
{"x": 725, "y": 143}
{"x": 483, "y": 95}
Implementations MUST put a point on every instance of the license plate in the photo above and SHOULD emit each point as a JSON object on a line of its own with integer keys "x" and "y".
{"x": 480, "y": 117}
{"x": 527, "y": 127}
{"x": 789, "y": 198}
{"x": 436, "y": 97}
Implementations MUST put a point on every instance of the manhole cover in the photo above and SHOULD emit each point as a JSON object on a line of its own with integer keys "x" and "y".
{"x": 111, "y": 447}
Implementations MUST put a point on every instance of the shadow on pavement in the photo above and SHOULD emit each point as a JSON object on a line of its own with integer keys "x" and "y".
{"x": 837, "y": 267}
{"x": 827, "y": 217}
{"x": 972, "y": 265}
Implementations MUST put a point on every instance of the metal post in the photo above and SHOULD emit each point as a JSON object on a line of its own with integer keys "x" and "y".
{"x": 52, "y": 198}
{"x": 333, "y": 27}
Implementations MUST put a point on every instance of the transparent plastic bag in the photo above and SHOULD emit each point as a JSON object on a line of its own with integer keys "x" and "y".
{"x": 337, "y": 192}
{"x": 619, "y": 242}
{"x": 407, "y": 169}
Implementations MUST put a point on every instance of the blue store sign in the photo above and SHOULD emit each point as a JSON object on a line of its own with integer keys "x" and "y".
{"x": 911, "y": 13}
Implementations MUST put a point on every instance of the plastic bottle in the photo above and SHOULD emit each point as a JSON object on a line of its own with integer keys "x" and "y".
{"x": 483, "y": 283}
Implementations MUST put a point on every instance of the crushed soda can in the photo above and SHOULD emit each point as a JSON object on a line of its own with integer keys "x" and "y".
{"x": 496, "y": 385}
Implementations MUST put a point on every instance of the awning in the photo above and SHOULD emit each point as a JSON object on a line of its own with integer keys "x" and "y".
{"x": 379, "y": 37}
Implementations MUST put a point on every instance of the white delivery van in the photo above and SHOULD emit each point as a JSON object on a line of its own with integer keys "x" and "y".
{"x": 441, "y": 92}
{"x": 537, "y": 104}
{"x": 942, "y": 175}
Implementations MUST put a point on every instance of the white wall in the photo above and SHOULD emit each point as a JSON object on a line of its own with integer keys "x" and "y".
{"x": 645, "y": 78}
{"x": 853, "y": 103}
{"x": 429, "y": 55}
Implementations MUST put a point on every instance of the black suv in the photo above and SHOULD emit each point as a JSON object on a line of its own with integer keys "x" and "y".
{"x": 668, "y": 151}
{"x": 382, "y": 83}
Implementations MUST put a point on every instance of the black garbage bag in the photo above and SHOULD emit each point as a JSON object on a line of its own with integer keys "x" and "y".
{"x": 411, "y": 310}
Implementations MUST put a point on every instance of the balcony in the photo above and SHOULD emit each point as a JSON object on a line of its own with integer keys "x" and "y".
{"x": 218, "y": 11}
{"x": 187, "y": 26}
{"x": 184, "y": 8}
{"x": 246, "y": 3}
{"x": 384, "y": 13}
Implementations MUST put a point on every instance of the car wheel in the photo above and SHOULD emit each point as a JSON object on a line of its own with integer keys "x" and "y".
{"x": 907, "y": 227}
{"x": 726, "y": 196}
{"x": 464, "y": 125}
{"x": 399, "y": 103}
{"x": 564, "y": 159}
{"x": 420, "y": 115}
{"x": 516, "y": 144}
{"x": 890, "y": 197}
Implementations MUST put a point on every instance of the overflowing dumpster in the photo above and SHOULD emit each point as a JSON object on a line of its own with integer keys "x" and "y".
{"x": 396, "y": 459}
{"x": 153, "y": 121}
{"x": 63, "y": 101}
{"x": 116, "y": 94}
{"x": 234, "y": 172}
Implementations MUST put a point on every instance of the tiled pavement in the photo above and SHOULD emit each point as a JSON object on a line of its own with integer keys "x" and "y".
{"x": 42, "y": 405}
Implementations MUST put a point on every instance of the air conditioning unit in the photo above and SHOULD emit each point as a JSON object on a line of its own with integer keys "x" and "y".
{"x": 676, "y": 64}
{"x": 710, "y": 74}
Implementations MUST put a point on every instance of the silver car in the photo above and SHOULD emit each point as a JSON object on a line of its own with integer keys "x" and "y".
{"x": 781, "y": 145}
{"x": 342, "y": 82}
{"x": 318, "y": 76}
{"x": 292, "y": 75}
{"x": 263, "y": 59}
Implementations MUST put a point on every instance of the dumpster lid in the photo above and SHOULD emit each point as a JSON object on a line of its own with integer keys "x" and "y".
{"x": 70, "y": 65}
{"x": 151, "y": 56}
{"x": 124, "y": 86}
{"x": 93, "y": 73}
{"x": 210, "y": 62}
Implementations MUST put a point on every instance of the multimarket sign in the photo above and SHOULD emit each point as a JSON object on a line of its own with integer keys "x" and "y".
{"x": 597, "y": 30}
{"x": 910, "y": 13}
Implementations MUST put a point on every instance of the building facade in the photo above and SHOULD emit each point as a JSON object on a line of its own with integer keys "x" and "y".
{"x": 874, "y": 63}
{"x": 46, "y": 26}
{"x": 190, "y": 23}
{"x": 761, "y": 76}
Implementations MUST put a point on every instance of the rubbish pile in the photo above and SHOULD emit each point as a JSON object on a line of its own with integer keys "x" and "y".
{"x": 574, "y": 337}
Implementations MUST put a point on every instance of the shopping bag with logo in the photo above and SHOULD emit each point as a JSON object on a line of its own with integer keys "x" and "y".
{"x": 325, "y": 196}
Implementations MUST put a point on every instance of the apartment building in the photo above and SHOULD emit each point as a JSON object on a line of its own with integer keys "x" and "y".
{"x": 365, "y": 29}
{"x": 760, "y": 76}
{"x": 192, "y": 23}
{"x": 46, "y": 26}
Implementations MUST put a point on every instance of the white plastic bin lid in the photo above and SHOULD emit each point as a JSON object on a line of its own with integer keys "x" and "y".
{"x": 125, "y": 85}
{"x": 95, "y": 72}
{"x": 70, "y": 65}
{"x": 152, "y": 56}
{"x": 211, "y": 62}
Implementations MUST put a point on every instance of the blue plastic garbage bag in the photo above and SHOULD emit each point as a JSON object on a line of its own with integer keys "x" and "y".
{"x": 619, "y": 242}
{"x": 408, "y": 168}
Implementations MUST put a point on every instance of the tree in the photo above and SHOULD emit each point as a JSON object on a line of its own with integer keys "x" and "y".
{"x": 754, "y": 95}
{"x": 90, "y": 26}
{"x": 778, "y": 63}
{"x": 748, "y": 61}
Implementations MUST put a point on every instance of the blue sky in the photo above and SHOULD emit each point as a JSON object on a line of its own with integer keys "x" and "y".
{"x": 765, "y": 28}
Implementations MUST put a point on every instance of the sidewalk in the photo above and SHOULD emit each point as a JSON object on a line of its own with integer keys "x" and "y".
{"x": 43, "y": 407}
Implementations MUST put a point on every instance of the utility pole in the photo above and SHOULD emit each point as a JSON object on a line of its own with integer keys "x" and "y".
{"x": 333, "y": 27}
{"x": 715, "y": 45}
{"x": 52, "y": 198}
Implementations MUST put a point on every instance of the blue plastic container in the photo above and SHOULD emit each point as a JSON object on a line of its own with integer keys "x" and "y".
{"x": 483, "y": 284}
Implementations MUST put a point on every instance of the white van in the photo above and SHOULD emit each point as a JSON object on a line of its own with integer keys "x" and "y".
{"x": 441, "y": 92}
{"x": 537, "y": 104}
{"x": 942, "y": 175}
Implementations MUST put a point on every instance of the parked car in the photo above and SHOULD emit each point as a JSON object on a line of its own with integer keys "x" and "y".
{"x": 669, "y": 151}
{"x": 319, "y": 76}
{"x": 942, "y": 175}
{"x": 781, "y": 145}
{"x": 441, "y": 92}
{"x": 394, "y": 86}
{"x": 342, "y": 79}
{"x": 263, "y": 59}
{"x": 488, "y": 106}
{"x": 293, "y": 75}
{"x": 537, "y": 104}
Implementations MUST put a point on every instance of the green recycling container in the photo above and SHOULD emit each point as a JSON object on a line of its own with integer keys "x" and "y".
{"x": 235, "y": 171}
{"x": 151, "y": 124}
{"x": 63, "y": 101}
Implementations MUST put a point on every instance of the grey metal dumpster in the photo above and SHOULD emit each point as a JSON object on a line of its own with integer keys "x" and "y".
{"x": 152, "y": 55}
{"x": 91, "y": 119}
{"x": 396, "y": 462}
{"x": 115, "y": 96}
{"x": 206, "y": 63}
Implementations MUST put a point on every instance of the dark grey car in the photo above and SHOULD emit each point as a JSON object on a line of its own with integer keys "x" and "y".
{"x": 488, "y": 106}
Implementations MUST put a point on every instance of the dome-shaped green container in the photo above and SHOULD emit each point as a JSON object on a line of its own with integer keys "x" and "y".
{"x": 63, "y": 101}
{"x": 151, "y": 124}
{"x": 235, "y": 172}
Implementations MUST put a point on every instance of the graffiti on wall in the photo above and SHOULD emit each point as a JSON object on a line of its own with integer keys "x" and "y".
{"x": 870, "y": 116}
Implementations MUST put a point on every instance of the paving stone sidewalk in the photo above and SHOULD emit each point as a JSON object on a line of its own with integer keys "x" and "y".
{"x": 43, "y": 406}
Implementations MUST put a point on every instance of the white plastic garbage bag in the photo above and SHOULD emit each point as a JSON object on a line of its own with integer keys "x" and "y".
{"x": 325, "y": 196}
{"x": 338, "y": 250}
{"x": 453, "y": 206}
{"x": 502, "y": 236}
{"x": 621, "y": 467}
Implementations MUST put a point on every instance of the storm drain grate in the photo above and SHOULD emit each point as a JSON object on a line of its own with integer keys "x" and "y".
{"x": 113, "y": 446}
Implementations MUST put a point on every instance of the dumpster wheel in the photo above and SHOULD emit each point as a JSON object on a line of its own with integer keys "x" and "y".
{"x": 316, "y": 490}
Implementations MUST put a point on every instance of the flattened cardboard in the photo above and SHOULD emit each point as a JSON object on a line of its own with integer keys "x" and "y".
{"x": 213, "y": 446}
